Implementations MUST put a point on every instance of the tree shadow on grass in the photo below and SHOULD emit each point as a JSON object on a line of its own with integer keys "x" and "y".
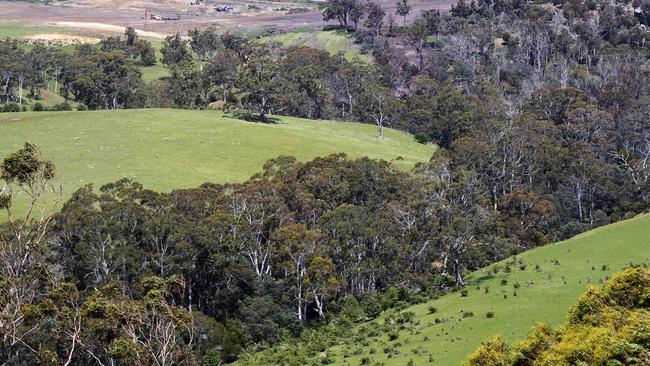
{"x": 253, "y": 117}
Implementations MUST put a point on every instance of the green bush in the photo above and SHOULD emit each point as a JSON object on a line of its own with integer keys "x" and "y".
{"x": 11, "y": 107}
{"x": 401, "y": 305}
{"x": 393, "y": 335}
{"x": 64, "y": 106}
{"x": 630, "y": 288}
{"x": 489, "y": 314}
{"x": 37, "y": 107}
{"x": 494, "y": 352}
{"x": 371, "y": 306}
{"x": 422, "y": 138}
{"x": 352, "y": 310}
{"x": 405, "y": 317}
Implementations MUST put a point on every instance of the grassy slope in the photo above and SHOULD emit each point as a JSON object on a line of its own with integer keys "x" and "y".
{"x": 166, "y": 149}
{"x": 17, "y": 29}
{"x": 157, "y": 71}
{"x": 331, "y": 41}
{"x": 554, "y": 289}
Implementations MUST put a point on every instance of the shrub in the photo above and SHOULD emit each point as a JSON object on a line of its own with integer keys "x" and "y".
{"x": 537, "y": 341}
{"x": 432, "y": 309}
{"x": 62, "y": 107}
{"x": 405, "y": 317}
{"x": 422, "y": 138}
{"x": 371, "y": 306}
{"x": 351, "y": 309}
{"x": 11, "y": 107}
{"x": 489, "y": 314}
{"x": 393, "y": 335}
{"x": 492, "y": 353}
{"x": 464, "y": 293}
{"x": 392, "y": 296}
{"x": 504, "y": 282}
{"x": 468, "y": 314}
{"x": 630, "y": 288}
{"x": 400, "y": 305}
{"x": 37, "y": 107}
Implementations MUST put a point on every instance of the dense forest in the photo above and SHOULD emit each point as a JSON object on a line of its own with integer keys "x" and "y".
{"x": 540, "y": 113}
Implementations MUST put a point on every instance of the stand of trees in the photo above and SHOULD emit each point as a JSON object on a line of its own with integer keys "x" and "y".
{"x": 103, "y": 77}
{"x": 127, "y": 275}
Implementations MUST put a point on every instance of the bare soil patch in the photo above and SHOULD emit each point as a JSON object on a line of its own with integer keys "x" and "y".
{"x": 61, "y": 39}
{"x": 103, "y": 27}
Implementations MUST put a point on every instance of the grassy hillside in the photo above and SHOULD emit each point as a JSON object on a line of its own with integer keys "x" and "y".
{"x": 167, "y": 149}
{"x": 331, "y": 41}
{"x": 16, "y": 29}
{"x": 549, "y": 279}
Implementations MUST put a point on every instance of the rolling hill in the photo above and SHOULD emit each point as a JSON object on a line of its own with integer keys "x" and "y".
{"x": 332, "y": 41}
{"x": 167, "y": 149}
{"x": 539, "y": 285}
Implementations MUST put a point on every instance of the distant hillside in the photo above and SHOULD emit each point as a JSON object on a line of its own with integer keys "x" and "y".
{"x": 331, "y": 41}
{"x": 539, "y": 285}
{"x": 168, "y": 149}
